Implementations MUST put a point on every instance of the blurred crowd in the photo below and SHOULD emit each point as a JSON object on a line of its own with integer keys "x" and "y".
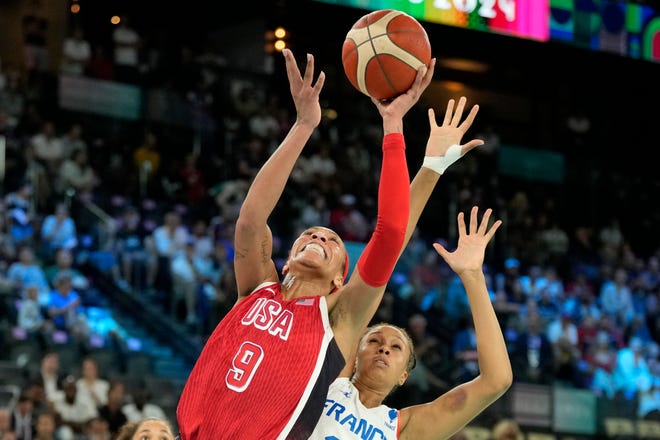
{"x": 155, "y": 215}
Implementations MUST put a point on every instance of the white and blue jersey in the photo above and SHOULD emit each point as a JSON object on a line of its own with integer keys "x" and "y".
{"x": 344, "y": 417}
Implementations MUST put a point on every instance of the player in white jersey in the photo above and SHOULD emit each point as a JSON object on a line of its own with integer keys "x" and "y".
{"x": 354, "y": 406}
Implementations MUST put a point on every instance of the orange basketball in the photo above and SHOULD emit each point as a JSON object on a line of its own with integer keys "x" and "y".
{"x": 382, "y": 52}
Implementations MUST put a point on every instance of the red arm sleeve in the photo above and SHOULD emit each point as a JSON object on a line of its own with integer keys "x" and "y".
{"x": 379, "y": 257}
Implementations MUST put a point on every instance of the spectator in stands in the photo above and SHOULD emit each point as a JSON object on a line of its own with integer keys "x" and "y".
{"x": 34, "y": 389}
{"x": 20, "y": 208}
{"x": 630, "y": 370}
{"x": 47, "y": 428}
{"x": 31, "y": 317}
{"x": 100, "y": 65}
{"x": 142, "y": 407}
{"x": 27, "y": 272}
{"x": 73, "y": 139}
{"x": 465, "y": 351}
{"x": 127, "y": 43}
{"x": 74, "y": 411}
{"x": 147, "y": 161}
{"x": 91, "y": 386}
{"x": 610, "y": 240}
{"x": 97, "y": 429}
{"x": 129, "y": 247}
{"x": 23, "y": 418}
{"x": 563, "y": 335}
{"x": 193, "y": 181}
{"x": 112, "y": 410}
{"x": 507, "y": 429}
{"x": 5, "y": 421}
{"x": 163, "y": 244}
{"x": 48, "y": 147}
{"x": 147, "y": 428}
{"x": 49, "y": 375}
{"x": 76, "y": 52}
{"x": 348, "y": 221}
{"x": 36, "y": 174}
{"x": 192, "y": 276}
{"x": 77, "y": 174}
{"x": 58, "y": 231}
{"x": 202, "y": 235}
{"x": 322, "y": 169}
{"x": 263, "y": 124}
{"x": 64, "y": 263}
{"x": 600, "y": 359}
{"x": 554, "y": 243}
{"x": 229, "y": 200}
{"x": 64, "y": 305}
{"x": 532, "y": 354}
{"x": 616, "y": 297}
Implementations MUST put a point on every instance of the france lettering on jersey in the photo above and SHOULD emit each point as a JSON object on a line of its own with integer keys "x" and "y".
{"x": 344, "y": 417}
{"x": 264, "y": 372}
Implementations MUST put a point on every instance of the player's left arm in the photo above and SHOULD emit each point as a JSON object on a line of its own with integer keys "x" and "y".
{"x": 453, "y": 410}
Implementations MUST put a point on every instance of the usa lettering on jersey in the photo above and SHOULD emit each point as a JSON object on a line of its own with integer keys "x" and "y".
{"x": 268, "y": 315}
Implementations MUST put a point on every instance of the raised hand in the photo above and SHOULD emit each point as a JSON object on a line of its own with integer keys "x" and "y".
{"x": 452, "y": 129}
{"x": 399, "y": 106}
{"x": 472, "y": 242}
{"x": 305, "y": 93}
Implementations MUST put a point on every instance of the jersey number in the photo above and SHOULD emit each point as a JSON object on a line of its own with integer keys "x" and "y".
{"x": 244, "y": 365}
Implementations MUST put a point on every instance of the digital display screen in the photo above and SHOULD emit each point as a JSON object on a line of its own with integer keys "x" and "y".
{"x": 623, "y": 28}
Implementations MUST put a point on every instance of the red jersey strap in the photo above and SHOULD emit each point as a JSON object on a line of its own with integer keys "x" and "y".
{"x": 381, "y": 253}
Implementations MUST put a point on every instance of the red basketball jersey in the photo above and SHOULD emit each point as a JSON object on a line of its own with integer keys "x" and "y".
{"x": 264, "y": 372}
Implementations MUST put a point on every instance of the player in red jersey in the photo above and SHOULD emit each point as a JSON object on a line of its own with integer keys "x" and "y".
{"x": 265, "y": 371}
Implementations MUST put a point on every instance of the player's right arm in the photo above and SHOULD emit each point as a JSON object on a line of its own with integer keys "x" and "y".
{"x": 253, "y": 262}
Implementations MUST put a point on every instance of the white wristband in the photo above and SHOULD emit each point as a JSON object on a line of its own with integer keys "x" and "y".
{"x": 440, "y": 163}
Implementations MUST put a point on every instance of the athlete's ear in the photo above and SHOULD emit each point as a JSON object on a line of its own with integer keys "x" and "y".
{"x": 285, "y": 268}
{"x": 403, "y": 378}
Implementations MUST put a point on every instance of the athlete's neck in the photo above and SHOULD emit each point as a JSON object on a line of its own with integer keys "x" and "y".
{"x": 294, "y": 287}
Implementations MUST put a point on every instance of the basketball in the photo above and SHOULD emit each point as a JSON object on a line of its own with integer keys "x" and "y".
{"x": 382, "y": 52}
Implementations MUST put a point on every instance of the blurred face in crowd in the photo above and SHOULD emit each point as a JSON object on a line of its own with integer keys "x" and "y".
{"x": 153, "y": 430}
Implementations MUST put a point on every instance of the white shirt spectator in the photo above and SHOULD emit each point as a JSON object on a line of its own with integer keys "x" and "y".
{"x": 76, "y": 53}
{"x": 126, "y": 41}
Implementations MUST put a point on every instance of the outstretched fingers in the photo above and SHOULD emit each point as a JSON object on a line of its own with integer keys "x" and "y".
{"x": 470, "y": 145}
{"x": 474, "y": 221}
{"x": 467, "y": 123}
{"x": 449, "y": 112}
{"x": 319, "y": 83}
{"x": 458, "y": 114}
{"x": 483, "y": 226}
{"x": 309, "y": 71}
{"x": 292, "y": 71}
{"x": 484, "y": 229}
{"x": 493, "y": 229}
{"x": 432, "y": 121}
{"x": 460, "y": 219}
